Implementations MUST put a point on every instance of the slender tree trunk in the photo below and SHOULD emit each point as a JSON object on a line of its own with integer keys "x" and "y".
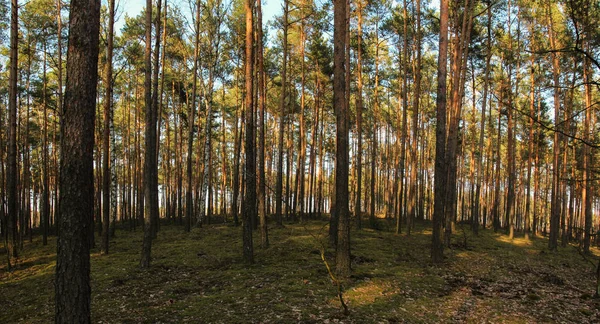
{"x": 359, "y": 115}
{"x": 478, "y": 198}
{"x": 262, "y": 211}
{"x": 555, "y": 202}
{"x": 150, "y": 168}
{"x": 106, "y": 167}
{"x": 250, "y": 197}
{"x": 11, "y": 183}
{"x": 413, "y": 194}
{"x": 189, "y": 210}
{"x": 586, "y": 188}
{"x": 282, "y": 112}
{"x": 437, "y": 248}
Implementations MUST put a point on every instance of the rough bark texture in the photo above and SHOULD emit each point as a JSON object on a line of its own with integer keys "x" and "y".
{"x": 76, "y": 203}
{"x": 341, "y": 162}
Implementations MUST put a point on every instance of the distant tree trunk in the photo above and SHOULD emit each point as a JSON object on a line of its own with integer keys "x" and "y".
{"x": 586, "y": 188}
{"x": 302, "y": 136}
{"x": 189, "y": 210}
{"x": 341, "y": 161}
{"x": 262, "y": 212}
{"x": 510, "y": 134}
{"x": 282, "y": 110}
{"x": 478, "y": 198}
{"x": 555, "y": 202}
{"x": 437, "y": 248}
{"x": 76, "y": 204}
{"x": 404, "y": 116}
{"x": 155, "y": 212}
{"x": 531, "y": 140}
{"x": 45, "y": 221}
{"x": 13, "y": 174}
{"x": 413, "y": 201}
{"x": 150, "y": 170}
{"x": 106, "y": 167}
{"x": 250, "y": 198}
{"x": 359, "y": 117}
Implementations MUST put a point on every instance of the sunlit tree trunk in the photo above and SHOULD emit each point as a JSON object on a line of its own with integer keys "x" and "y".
{"x": 250, "y": 168}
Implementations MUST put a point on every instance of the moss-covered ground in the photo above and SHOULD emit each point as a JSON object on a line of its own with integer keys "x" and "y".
{"x": 199, "y": 277}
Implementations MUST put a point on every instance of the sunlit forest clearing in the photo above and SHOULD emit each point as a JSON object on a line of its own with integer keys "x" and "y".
{"x": 200, "y": 277}
{"x": 299, "y": 161}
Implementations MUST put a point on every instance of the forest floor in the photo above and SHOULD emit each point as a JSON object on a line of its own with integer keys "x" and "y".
{"x": 199, "y": 277}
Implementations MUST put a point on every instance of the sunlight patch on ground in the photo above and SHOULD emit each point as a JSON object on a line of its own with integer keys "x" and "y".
{"x": 517, "y": 241}
{"x": 369, "y": 291}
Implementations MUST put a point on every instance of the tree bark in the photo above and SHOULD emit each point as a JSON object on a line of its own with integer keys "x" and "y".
{"x": 441, "y": 167}
{"x": 150, "y": 168}
{"x": 76, "y": 204}
{"x": 341, "y": 161}
{"x": 250, "y": 197}
{"x": 106, "y": 167}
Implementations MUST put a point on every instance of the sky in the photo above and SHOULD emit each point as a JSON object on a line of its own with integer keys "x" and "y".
{"x": 133, "y": 7}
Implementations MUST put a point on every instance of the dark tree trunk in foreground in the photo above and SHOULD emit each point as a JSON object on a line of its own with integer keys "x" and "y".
{"x": 76, "y": 205}
{"x": 250, "y": 198}
{"x": 342, "y": 212}
{"x": 437, "y": 248}
{"x": 150, "y": 168}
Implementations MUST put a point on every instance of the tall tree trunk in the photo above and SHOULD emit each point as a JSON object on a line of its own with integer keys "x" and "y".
{"x": 441, "y": 167}
{"x": 150, "y": 168}
{"x": 262, "y": 211}
{"x": 555, "y": 202}
{"x": 189, "y": 209}
{"x": 413, "y": 201}
{"x": 11, "y": 183}
{"x": 250, "y": 197}
{"x": 106, "y": 167}
{"x": 341, "y": 162}
{"x": 72, "y": 282}
{"x": 359, "y": 115}
{"x": 282, "y": 111}
{"x": 155, "y": 214}
{"x": 478, "y": 198}
{"x": 586, "y": 188}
